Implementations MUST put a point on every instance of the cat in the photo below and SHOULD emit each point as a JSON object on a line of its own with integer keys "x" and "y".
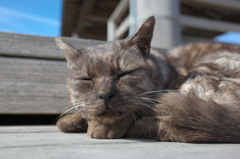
{"x": 126, "y": 89}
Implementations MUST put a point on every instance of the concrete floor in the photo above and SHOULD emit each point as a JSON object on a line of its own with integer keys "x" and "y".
{"x": 44, "y": 142}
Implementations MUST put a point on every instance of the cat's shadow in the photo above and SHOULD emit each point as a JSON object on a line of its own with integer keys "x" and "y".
{"x": 140, "y": 140}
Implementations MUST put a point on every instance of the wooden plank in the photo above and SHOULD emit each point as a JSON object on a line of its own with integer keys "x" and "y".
{"x": 23, "y": 45}
{"x": 27, "y": 129}
{"x": 32, "y": 86}
{"x": 32, "y": 104}
{"x": 226, "y": 4}
{"x": 190, "y": 39}
{"x": 17, "y": 87}
{"x": 87, "y": 8}
{"x": 97, "y": 19}
{"x": 208, "y": 24}
{"x": 28, "y": 142}
{"x": 33, "y": 70}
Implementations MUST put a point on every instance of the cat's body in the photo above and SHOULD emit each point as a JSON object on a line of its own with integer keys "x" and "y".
{"x": 122, "y": 89}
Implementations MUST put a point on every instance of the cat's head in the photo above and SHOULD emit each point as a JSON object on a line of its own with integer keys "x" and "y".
{"x": 106, "y": 80}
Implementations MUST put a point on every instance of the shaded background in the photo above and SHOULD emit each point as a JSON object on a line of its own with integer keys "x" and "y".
{"x": 44, "y": 17}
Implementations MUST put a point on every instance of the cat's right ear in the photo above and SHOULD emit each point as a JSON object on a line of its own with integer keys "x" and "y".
{"x": 69, "y": 51}
{"x": 143, "y": 36}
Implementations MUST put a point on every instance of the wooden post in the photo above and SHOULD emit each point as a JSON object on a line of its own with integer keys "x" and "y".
{"x": 167, "y": 28}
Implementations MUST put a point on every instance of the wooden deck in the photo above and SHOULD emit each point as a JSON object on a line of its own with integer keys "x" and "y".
{"x": 45, "y": 142}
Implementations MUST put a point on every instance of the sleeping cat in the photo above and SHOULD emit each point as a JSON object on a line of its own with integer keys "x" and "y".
{"x": 126, "y": 89}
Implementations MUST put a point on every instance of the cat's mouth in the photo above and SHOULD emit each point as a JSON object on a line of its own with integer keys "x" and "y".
{"x": 110, "y": 113}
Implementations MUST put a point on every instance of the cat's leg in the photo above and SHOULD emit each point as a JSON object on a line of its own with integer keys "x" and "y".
{"x": 117, "y": 129}
{"x": 144, "y": 128}
{"x": 72, "y": 123}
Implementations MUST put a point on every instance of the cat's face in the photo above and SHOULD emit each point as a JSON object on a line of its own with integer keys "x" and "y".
{"x": 106, "y": 80}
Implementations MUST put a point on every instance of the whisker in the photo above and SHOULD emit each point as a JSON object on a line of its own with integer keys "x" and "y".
{"x": 145, "y": 105}
{"x": 84, "y": 125}
{"x": 158, "y": 123}
{"x": 149, "y": 99}
{"x": 134, "y": 116}
{"x": 156, "y": 92}
{"x": 137, "y": 110}
{"x": 70, "y": 109}
{"x": 169, "y": 125}
{"x": 145, "y": 109}
{"x": 63, "y": 111}
{"x": 71, "y": 106}
{"x": 145, "y": 98}
{"x": 154, "y": 113}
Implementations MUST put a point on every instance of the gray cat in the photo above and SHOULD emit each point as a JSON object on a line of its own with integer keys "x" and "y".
{"x": 126, "y": 89}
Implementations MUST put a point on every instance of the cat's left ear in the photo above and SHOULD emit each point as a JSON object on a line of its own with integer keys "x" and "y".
{"x": 69, "y": 51}
{"x": 143, "y": 36}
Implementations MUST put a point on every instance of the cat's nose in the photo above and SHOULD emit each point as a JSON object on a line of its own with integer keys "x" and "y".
{"x": 106, "y": 96}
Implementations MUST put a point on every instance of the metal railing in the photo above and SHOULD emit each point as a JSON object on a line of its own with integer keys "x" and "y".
{"x": 116, "y": 31}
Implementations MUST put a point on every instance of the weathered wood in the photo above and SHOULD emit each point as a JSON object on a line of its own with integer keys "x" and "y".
{"x": 224, "y": 4}
{"x": 27, "y": 142}
{"x": 12, "y": 44}
{"x": 32, "y": 86}
{"x": 34, "y": 83}
{"x": 27, "y": 129}
{"x": 33, "y": 70}
{"x": 32, "y": 104}
{"x": 16, "y": 87}
{"x": 208, "y": 24}
{"x": 97, "y": 19}
{"x": 87, "y": 8}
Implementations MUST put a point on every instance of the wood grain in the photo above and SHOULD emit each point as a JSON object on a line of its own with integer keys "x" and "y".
{"x": 43, "y": 142}
{"x": 32, "y": 104}
{"x": 32, "y": 86}
{"x": 33, "y": 73}
{"x": 13, "y": 44}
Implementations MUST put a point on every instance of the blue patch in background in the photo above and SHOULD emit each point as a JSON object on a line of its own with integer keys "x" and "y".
{"x": 229, "y": 37}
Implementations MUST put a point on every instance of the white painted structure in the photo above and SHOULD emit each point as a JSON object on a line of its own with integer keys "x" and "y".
{"x": 169, "y": 20}
{"x": 167, "y": 28}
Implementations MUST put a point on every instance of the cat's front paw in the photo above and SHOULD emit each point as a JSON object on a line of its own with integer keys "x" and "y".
{"x": 99, "y": 130}
{"x": 72, "y": 123}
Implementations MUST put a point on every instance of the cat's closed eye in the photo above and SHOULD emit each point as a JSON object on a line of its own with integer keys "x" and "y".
{"x": 84, "y": 79}
{"x": 123, "y": 74}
